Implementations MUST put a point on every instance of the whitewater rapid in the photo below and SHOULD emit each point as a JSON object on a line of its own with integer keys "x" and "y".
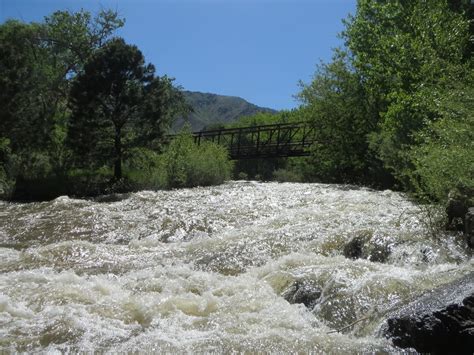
{"x": 205, "y": 269}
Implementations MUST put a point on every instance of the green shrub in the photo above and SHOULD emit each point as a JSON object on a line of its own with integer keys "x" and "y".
{"x": 187, "y": 164}
{"x": 284, "y": 175}
{"x": 209, "y": 164}
{"x": 177, "y": 160}
{"x": 145, "y": 169}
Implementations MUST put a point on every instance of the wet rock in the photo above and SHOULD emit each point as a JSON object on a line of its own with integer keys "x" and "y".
{"x": 353, "y": 249}
{"x": 379, "y": 253}
{"x": 439, "y": 322}
{"x": 360, "y": 247}
{"x": 459, "y": 201}
{"x": 469, "y": 227}
{"x": 303, "y": 291}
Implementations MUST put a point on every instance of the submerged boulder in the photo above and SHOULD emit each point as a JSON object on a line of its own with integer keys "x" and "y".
{"x": 303, "y": 291}
{"x": 362, "y": 247}
{"x": 353, "y": 249}
{"x": 439, "y": 322}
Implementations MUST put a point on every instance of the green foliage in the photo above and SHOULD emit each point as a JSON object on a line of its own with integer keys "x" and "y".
{"x": 210, "y": 165}
{"x": 188, "y": 164}
{"x": 242, "y": 176}
{"x": 444, "y": 157}
{"x": 398, "y": 44}
{"x": 24, "y": 118}
{"x": 6, "y": 183}
{"x": 37, "y": 63}
{"x": 162, "y": 103}
{"x": 77, "y": 103}
{"x": 177, "y": 160}
{"x": 266, "y": 118}
{"x": 74, "y": 36}
{"x": 118, "y": 104}
{"x": 335, "y": 102}
{"x": 104, "y": 99}
{"x": 396, "y": 100}
{"x": 405, "y": 53}
{"x": 145, "y": 169}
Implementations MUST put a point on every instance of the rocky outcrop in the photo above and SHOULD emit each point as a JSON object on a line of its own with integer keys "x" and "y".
{"x": 440, "y": 322}
{"x": 469, "y": 227}
{"x": 303, "y": 291}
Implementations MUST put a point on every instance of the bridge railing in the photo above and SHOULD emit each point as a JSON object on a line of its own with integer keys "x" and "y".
{"x": 271, "y": 140}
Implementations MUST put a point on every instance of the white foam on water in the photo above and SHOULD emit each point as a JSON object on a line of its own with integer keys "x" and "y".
{"x": 206, "y": 269}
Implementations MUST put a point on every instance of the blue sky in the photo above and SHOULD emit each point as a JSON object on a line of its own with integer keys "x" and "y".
{"x": 255, "y": 49}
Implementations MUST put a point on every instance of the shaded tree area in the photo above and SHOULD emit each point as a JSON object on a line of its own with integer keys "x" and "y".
{"x": 117, "y": 103}
{"x": 76, "y": 101}
{"x": 394, "y": 107}
{"x": 410, "y": 56}
{"x": 335, "y": 103}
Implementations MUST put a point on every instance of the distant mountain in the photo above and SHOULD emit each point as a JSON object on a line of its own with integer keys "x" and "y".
{"x": 212, "y": 109}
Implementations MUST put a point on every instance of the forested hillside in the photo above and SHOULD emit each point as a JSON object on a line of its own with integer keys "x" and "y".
{"x": 211, "y": 109}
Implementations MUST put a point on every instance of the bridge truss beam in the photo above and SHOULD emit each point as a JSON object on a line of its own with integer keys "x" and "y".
{"x": 265, "y": 141}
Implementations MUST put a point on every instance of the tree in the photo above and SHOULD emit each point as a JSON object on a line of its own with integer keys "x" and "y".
{"x": 22, "y": 82}
{"x": 406, "y": 53}
{"x": 71, "y": 38}
{"x": 336, "y": 102}
{"x": 444, "y": 155}
{"x": 162, "y": 103}
{"x": 116, "y": 103}
{"x": 37, "y": 64}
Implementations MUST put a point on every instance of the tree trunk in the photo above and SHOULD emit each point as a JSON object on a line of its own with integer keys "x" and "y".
{"x": 118, "y": 154}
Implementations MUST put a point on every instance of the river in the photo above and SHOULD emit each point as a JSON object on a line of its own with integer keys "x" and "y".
{"x": 207, "y": 269}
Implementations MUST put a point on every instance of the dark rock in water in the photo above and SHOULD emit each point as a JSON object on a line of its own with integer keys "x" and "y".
{"x": 469, "y": 227}
{"x": 379, "y": 253}
{"x": 440, "y": 322}
{"x": 303, "y": 291}
{"x": 360, "y": 247}
{"x": 353, "y": 249}
{"x": 459, "y": 201}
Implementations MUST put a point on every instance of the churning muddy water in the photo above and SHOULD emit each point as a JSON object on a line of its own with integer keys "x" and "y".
{"x": 212, "y": 269}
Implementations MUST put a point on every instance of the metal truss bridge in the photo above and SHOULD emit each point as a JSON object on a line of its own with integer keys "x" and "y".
{"x": 265, "y": 141}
